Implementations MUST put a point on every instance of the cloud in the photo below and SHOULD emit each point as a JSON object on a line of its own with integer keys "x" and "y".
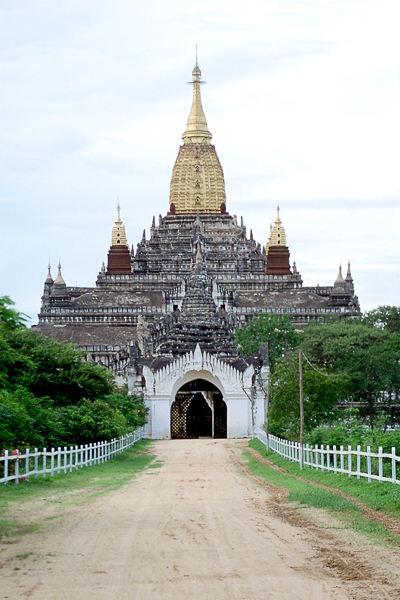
{"x": 302, "y": 100}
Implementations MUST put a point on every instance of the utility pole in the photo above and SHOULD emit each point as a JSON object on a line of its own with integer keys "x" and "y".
{"x": 268, "y": 399}
{"x": 301, "y": 409}
{"x": 299, "y": 376}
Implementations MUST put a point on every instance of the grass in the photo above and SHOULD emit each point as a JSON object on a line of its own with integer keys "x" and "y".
{"x": 382, "y": 496}
{"x": 304, "y": 494}
{"x": 71, "y": 488}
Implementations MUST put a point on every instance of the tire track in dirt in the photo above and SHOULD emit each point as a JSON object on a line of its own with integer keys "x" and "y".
{"x": 391, "y": 523}
{"x": 347, "y": 562}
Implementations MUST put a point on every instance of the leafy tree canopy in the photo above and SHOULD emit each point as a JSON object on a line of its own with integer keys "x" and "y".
{"x": 354, "y": 362}
{"x": 365, "y": 355}
{"x": 385, "y": 317}
{"x": 276, "y": 330}
{"x": 49, "y": 396}
{"x": 321, "y": 392}
{"x": 10, "y": 319}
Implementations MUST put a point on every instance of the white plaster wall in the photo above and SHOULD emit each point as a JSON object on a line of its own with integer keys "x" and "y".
{"x": 162, "y": 387}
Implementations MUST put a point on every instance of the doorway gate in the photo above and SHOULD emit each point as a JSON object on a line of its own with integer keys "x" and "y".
{"x": 198, "y": 411}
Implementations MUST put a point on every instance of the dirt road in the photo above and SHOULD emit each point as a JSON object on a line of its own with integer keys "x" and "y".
{"x": 196, "y": 529}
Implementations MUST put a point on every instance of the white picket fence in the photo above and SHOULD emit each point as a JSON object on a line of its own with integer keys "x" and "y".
{"x": 19, "y": 466}
{"x": 351, "y": 462}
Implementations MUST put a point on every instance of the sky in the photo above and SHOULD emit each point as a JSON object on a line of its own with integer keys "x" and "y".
{"x": 302, "y": 99}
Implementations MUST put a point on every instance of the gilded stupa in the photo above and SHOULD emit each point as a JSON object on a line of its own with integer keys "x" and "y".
{"x": 197, "y": 183}
{"x": 276, "y": 250}
{"x": 119, "y": 255}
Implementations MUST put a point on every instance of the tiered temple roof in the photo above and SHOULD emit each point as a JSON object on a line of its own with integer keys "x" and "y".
{"x": 197, "y": 277}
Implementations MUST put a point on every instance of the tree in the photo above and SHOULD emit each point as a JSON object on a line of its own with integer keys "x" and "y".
{"x": 366, "y": 357}
{"x": 10, "y": 319}
{"x": 49, "y": 396}
{"x": 276, "y": 330}
{"x": 50, "y": 369}
{"x": 321, "y": 392}
{"x": 384, "y": 317}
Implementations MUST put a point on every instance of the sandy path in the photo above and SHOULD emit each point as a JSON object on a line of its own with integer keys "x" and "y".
{"x": 196, "y": 529}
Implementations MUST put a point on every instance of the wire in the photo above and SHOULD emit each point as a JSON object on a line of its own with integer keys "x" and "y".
{"x": 317, "y": 370}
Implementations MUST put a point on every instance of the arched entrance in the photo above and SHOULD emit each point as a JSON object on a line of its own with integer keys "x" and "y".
{"x": 198, "y": 411}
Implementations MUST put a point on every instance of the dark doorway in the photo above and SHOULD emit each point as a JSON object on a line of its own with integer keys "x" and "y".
{"x": 199, "y": 417}
{"x": 198, "y": 411}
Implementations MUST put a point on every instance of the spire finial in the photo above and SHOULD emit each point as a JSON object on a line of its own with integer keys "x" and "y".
{"x": 118, "y": 235}
{"x": 278, "y": 218}
{"x": 49, "y": 278}
{"x": 277, "y": 236}
{"x": 196, "y": 130}
{"x": 59, "y": 280}
{"x": 339, "y": 278}
{"x": 349, "y": 278}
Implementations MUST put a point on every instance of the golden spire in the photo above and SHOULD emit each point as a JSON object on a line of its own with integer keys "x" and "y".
{"x": 197, "y": 182}
{"x": 197, "y": 130}
{"x": 118, "y": 237}
{"x": 277, "y": 236}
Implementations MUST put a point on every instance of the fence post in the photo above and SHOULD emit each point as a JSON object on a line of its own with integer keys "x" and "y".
{"x": 6, "y": 466}
{"x": 44, "y": 461}
{"x": 16, "y": 469}
{"x": 328, "y": 459}
{"x": 316, "y": 456}
{"x": 369, "y": 463}
{"x": 71, "y": 458}
{"x": 394, "y": 480}
{"x": 334, "y": 459}
{"x": 341, "y": 459}
{"x": 380, "y": 463}
{"x": 322, "y": 458}
{"x": 52, "y": 462}
{"x": 36, "y": 462}
{"x": 27, "y": 464}
{"x": 58, "y": 460}
{"x": 358, "y": 461}
{"x": 349, "y": 460}
{"x": 65, "y": 461}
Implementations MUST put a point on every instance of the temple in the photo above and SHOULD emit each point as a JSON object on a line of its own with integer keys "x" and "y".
{"x": 163, "y": 317}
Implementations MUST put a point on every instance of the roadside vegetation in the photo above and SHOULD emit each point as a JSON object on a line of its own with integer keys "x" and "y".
{"x": 52, "y": 494}
{"x": 383, "y": 497}
{"x": 50, "y": 396}
{"x": 351, "y": 376}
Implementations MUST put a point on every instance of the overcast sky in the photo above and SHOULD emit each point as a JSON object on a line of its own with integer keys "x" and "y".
{"x": 302, "y": 99}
